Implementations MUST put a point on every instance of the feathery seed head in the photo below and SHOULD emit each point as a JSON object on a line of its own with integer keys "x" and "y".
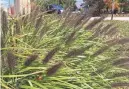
{"x": 30, "y": 59}
{"x": 11, "y": 60}
{"x": 50, "y": 54}
{"x": 52, "y": 70}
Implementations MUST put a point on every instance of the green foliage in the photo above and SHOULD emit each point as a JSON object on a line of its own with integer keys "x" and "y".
{"x": 43, "y": 51}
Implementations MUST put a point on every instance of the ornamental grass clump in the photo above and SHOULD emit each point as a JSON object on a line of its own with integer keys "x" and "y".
{"x": 63, "y": 52}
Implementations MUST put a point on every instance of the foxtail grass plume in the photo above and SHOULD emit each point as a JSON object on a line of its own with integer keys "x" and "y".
{"x": 120, "y": 84}
{"x": 105, "y": 29}
{"x": 30, "y": 59}
{"x": 43, "y": 31}
{"x": 96, "y": 33}
{"x": 4, "y": 23}
{"x": 100, "y": 51}
{"x": 38, "y": 22}
{"x": 100, "y": 70}
{"x": 111, "y": 31}
{"x": 114, "y": 42}
{"x": 25, "y": 19}
{"x": 11, "y": 60}
{"x": 78, "y": 51}
{"x": 121, "y": 61}
{"x": 17, "y": 27}
{"x": 75, "y": 52}
{"x": 123, "y": 40}
{"x": 79, "y": 20}
{"x": 93, "y": 23}
{"x": 114, "y": 32}
{"x": 33, "y": 14}
{"x": 71, "y": 37}
{"x": 84, "y": 22}
{"x": 52, "y": 70}
{"x": 122, "y": 74}
{"x": 50, "y": 54}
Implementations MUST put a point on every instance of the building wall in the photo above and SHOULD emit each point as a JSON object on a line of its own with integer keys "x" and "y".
{"x": 11, "y": 10}
{"x": 22, "y": 7}
{"x": 17, "y": 6}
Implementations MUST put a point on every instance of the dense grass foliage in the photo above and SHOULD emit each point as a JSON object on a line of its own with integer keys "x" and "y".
{"x": 67, "y": 51}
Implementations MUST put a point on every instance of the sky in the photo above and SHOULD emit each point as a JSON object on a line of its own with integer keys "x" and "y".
{"x": 5, "y": 3}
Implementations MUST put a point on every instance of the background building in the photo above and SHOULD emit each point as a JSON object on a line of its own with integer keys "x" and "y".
{"x": 22, "y": 7}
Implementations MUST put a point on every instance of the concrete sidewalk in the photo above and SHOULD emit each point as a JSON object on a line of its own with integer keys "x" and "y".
{"x": 114, "y": 18}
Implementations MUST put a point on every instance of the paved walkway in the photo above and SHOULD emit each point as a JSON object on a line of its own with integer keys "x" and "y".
{"x": 114, "y": 18}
